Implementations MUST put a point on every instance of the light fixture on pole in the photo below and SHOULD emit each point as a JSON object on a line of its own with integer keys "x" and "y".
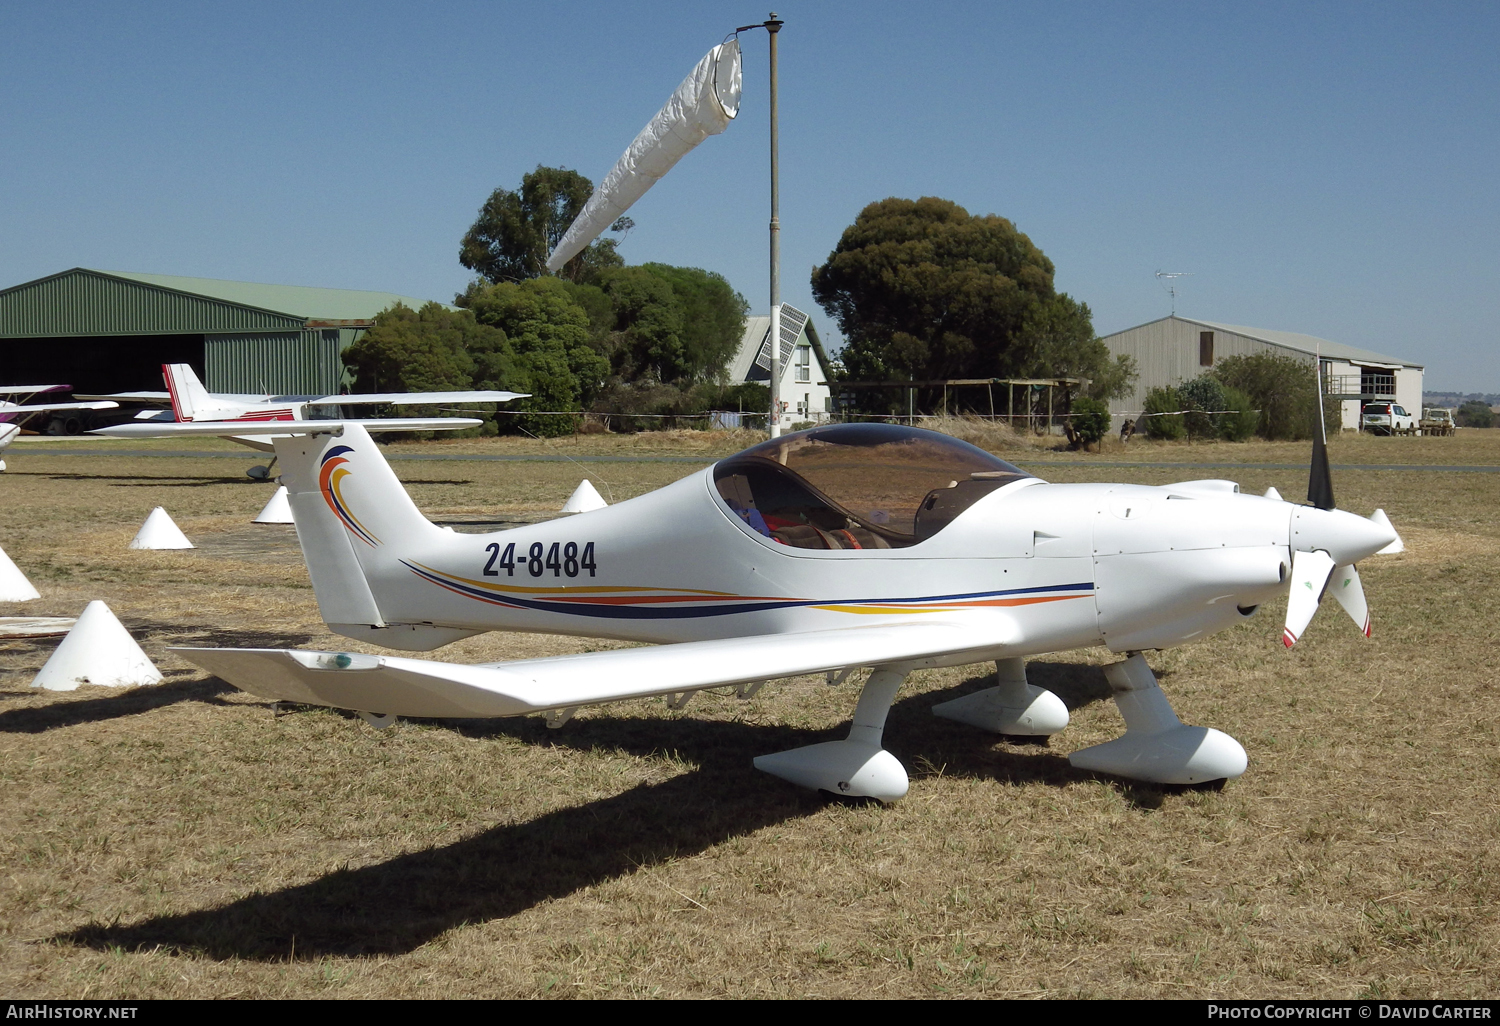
{"x": 773, "y": 26}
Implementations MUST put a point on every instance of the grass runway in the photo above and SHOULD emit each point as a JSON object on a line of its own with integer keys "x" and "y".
{"x": 183, "y": 841}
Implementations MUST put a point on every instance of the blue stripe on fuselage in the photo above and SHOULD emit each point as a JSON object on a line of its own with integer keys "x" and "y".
{"x": 657, "y": 612}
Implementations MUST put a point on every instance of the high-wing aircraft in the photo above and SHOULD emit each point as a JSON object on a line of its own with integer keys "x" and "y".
{"x": 828, "y": 550}
{"x": 191, "y": 403}
{"x": 13, "y": 414}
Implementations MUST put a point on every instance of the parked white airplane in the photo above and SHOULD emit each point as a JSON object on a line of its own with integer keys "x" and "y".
{"x": 823, "y": 551}
{"x": 191, "y": 403}
{"x": 13, "y": 415}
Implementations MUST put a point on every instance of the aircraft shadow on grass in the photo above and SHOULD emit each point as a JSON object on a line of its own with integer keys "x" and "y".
{"x": 129, "y": 702}
{"x": 147, "y": 481}
{"x": 112, "y": 703}
{"x": 400, "y": 904}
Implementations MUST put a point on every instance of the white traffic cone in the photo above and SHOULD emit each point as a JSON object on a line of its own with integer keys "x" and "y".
{"x": 98, "y": 650}
{"x": 14, "y": 587}
{"x": 160, "y": 532}
{"x": 584, "y": 498}
{"x": 277, "y": 511}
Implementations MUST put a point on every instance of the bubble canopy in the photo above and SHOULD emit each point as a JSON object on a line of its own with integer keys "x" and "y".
{"x": 858, "y": 486}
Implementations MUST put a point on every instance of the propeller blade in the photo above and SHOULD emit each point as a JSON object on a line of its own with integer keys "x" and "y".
{"x": 1345, "y": 586}
{"x": 1310, "y": 570}
{"x": 1319, "y": 477}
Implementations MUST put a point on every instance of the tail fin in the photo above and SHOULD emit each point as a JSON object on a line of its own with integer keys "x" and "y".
{"x": 189, "y": 398}
{"x": 356, "y": 524}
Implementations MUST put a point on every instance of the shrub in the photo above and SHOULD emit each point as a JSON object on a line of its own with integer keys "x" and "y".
{"x": 1090, "y": 419}
{"x": 1202, "y": 398}
{"x": 1244, "y": 418}
{"x": 1283, "y": 388}
{"x": 548, "y": 352}
{"x": 1474, "y": 414}
{"x": 1161, "y": 418}
{"x": 425, "y": 350}
{"x": 747, "y": 397}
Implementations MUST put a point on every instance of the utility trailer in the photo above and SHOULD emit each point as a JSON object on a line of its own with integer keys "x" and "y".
{"x": 1437, "y": 422}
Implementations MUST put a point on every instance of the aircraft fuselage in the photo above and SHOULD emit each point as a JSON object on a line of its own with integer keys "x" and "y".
{"x": 1127, "y": 566}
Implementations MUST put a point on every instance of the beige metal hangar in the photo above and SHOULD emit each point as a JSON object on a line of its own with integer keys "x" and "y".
{"x": 1177, "y": 349}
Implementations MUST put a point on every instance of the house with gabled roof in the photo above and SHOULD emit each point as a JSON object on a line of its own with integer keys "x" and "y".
{"x": 805, "y": 380}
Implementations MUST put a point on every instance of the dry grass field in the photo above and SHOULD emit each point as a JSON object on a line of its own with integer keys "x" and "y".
{"x": 185, "y": 841}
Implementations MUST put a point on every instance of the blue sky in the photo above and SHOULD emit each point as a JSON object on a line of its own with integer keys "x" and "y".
{"x": 1326, "y": 168}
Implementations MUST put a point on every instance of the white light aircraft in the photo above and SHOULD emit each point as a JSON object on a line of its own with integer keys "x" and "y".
{"x": 829, "y": 550}
{"x": 191, "y": 403}
{"x": 13, "y": 414}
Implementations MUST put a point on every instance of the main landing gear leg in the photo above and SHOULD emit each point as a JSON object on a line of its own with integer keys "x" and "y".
{"x": 856, "y": 766}
{"x": 1157, "y": 747}
{"x": 1011, "y": 707}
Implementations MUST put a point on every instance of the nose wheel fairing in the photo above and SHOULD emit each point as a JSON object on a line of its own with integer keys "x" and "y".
{"x": 1157, "y": 747}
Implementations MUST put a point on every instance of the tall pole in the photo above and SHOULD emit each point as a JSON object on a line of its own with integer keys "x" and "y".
{"x": 773, "y": 26}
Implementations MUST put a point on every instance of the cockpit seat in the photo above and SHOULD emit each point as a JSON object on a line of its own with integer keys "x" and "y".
{"x": 858, "y": 486}
{"x": 810, "y": 536}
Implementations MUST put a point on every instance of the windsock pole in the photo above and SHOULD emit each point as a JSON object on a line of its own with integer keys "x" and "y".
{"x": 773, "y": 27}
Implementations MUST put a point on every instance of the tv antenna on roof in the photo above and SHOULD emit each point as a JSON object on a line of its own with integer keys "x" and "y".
{"x": 1168, "y": 281}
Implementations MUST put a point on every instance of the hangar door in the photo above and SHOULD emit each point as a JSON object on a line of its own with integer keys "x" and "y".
{"x": 99, "y": 363}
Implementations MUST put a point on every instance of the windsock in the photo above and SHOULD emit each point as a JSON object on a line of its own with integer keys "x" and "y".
{"x": 703, "y": 105}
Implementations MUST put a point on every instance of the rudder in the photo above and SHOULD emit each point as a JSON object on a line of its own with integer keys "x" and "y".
{"x": 189, "y": 398}
{"x": 355, "y": 523}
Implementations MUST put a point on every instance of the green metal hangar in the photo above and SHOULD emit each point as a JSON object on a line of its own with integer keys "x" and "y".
{"x": 110, "y": 331}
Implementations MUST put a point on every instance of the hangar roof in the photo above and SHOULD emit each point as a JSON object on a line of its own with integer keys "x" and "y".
{"x": 82, "y": 301}
{"x": 1309, "y": 344}
{"x": 312, "y": 303}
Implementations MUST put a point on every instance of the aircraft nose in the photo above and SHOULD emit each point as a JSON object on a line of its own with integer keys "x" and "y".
{"x": 1345, "y": 536}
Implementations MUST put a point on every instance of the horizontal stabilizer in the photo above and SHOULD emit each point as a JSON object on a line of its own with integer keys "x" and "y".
{"x": 423, "y": 687}
{"x": 284, "y": 427}
{"x": 418, "y": 398}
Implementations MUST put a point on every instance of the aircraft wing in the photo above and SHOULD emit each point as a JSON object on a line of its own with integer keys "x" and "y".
{"x": 424, "y": 687}
{"x": 418, "y": 398}
{"x": 30, "y": 389}
{"x": 235, "y": 428}
{"x": 131, "y": 397}
{"x": 55, "y": 407}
